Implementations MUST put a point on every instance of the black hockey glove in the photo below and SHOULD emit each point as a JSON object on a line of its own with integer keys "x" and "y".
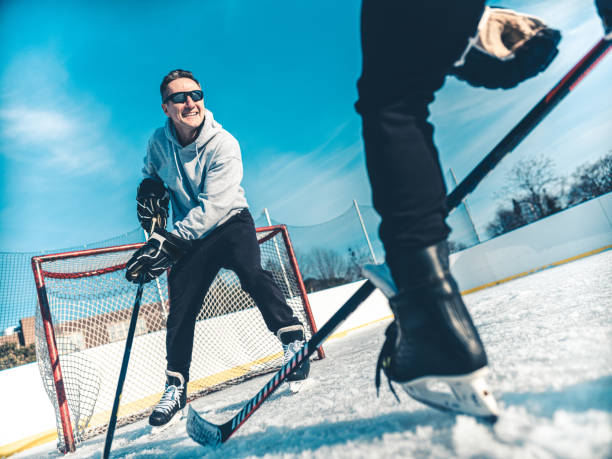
{"x": 159, "y": 253}
{"x": 152, "y": 204}
{"x": 510, "y": 47}
{"x": 604, "y": 9}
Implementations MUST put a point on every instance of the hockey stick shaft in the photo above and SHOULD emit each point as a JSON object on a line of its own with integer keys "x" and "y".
{"x": 529, "y": 122}
{"x": 309, "y": 348}
{"x": 207, "y": 433}
{"x": 126, "y": 358}
{"x": 211, "y": 434}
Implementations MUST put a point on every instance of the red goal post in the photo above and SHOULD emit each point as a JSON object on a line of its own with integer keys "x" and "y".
{"x": 85, "y": 305}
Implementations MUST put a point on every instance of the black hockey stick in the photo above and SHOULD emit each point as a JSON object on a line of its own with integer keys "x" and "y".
{"x": 126, "y": 358}
{"x": 209, "y": 434}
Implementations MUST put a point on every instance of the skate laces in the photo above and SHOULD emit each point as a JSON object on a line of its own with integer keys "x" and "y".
{"x": 171, "y": 396}
{"x": 384, "y": 359}
{"x": 289, "y": 350}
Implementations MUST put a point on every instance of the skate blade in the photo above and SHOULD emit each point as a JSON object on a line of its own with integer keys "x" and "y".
{"x": 467, "y": 394}
{"x": 156, "y": 430}
{"x": 297, "y": 386}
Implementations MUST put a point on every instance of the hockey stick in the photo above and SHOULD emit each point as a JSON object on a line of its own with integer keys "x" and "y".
{"x": 110, "y": 433}
{"x": 209, "y": 434}
{"x": 126, "y": 358}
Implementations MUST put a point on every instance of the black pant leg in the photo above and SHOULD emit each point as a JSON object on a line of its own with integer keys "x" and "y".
{"x": 408, "y": 47}
{"x": 188, "y": 282}
{"x": 242, "y": 255}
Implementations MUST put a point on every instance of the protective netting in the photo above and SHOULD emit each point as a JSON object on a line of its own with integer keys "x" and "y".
{"x": 18, "y": 301}
{"x": 332, "y": 252}
{"x": 90, "y": 305}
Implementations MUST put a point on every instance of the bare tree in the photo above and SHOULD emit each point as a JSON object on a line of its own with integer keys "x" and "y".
{"x": 591, "y": 180}
{"x": 327, "y": 263}
{"x": 531, "y": 177}
{"x": 357, "y": 257}
{"x": 528, "y": 184}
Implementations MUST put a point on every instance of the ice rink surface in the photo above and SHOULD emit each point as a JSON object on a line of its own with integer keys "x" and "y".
{"x": 549, "y": 341}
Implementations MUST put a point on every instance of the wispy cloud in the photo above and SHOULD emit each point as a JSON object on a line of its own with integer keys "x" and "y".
{"x": 44, "y": 122}
{"x": 308, "y": 187}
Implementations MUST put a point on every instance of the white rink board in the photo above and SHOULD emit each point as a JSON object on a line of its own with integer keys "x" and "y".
{"x": 575, "y": 231}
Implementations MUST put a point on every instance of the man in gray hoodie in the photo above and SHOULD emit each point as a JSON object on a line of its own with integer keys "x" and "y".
{"x": 195, "y": 163}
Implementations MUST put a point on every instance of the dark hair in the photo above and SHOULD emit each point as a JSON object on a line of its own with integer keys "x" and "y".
{"x": 175, "y": 75}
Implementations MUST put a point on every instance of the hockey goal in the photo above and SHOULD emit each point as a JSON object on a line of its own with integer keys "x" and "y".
{"x": 82, "y": 322}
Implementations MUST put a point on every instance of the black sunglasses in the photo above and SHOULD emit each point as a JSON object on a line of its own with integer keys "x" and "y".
{"x": 180, "y": 97}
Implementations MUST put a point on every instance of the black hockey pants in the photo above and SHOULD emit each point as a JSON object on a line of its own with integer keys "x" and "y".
{"x": 408, "y": 48}
{"x": 234, "y": 246}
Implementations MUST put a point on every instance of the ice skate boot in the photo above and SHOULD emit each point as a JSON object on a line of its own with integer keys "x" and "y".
{"x": 169, "y": 410}
{"x": 432, "y": 348}
{"x": 292, "y": 339}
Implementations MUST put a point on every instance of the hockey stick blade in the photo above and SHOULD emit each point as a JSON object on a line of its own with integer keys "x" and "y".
{"x": 208, "y": 434}
{"x": 202, "y": 431}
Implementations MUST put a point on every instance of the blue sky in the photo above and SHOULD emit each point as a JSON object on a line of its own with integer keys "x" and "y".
{"x": 79, "y": 96}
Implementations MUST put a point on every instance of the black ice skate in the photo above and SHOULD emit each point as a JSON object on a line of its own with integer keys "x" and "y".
{"x": 432, "y": 348}
{"x": 292, "y": 339}
{"x": 172, "y": 402}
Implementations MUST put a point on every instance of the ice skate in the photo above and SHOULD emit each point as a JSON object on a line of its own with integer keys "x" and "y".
{"x": 432, "y": 349}
{"x": 170, "y": 408}
{"x": 292, "y": 339}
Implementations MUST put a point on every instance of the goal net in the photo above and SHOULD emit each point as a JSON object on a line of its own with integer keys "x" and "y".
{"x": 83, "y": 319}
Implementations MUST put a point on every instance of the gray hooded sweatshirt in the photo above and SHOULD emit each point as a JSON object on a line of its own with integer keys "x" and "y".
{"x": 203, "y": 178}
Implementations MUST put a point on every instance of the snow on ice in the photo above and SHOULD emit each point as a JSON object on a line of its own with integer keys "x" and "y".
{"x": 548, "y": 337}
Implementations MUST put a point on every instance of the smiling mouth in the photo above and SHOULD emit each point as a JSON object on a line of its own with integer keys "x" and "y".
{"x": 191, "y": 114}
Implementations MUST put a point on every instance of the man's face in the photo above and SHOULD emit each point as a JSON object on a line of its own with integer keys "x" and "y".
{"x": 187, "y": 115}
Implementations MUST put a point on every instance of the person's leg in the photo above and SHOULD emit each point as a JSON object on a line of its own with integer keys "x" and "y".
{"x": 188, "y": 281}
{"x": 408, "y": 47}
{"x": 244, "y": 258}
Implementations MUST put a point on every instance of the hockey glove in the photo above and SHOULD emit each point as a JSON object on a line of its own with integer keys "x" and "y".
{"x": 604, "y": 9}
{"x": 510, "y": 47}
{"x": 152, "y": 205}
{"x": 159, "y": 253}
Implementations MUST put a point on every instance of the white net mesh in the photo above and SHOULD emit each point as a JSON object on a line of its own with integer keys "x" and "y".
{"x": 90, "y": 304}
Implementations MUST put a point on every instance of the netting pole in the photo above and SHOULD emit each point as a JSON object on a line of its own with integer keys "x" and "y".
{"x": 464, "y": 202}
{"x": 365, "y": 233}
{"x": 280, "y": 259}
